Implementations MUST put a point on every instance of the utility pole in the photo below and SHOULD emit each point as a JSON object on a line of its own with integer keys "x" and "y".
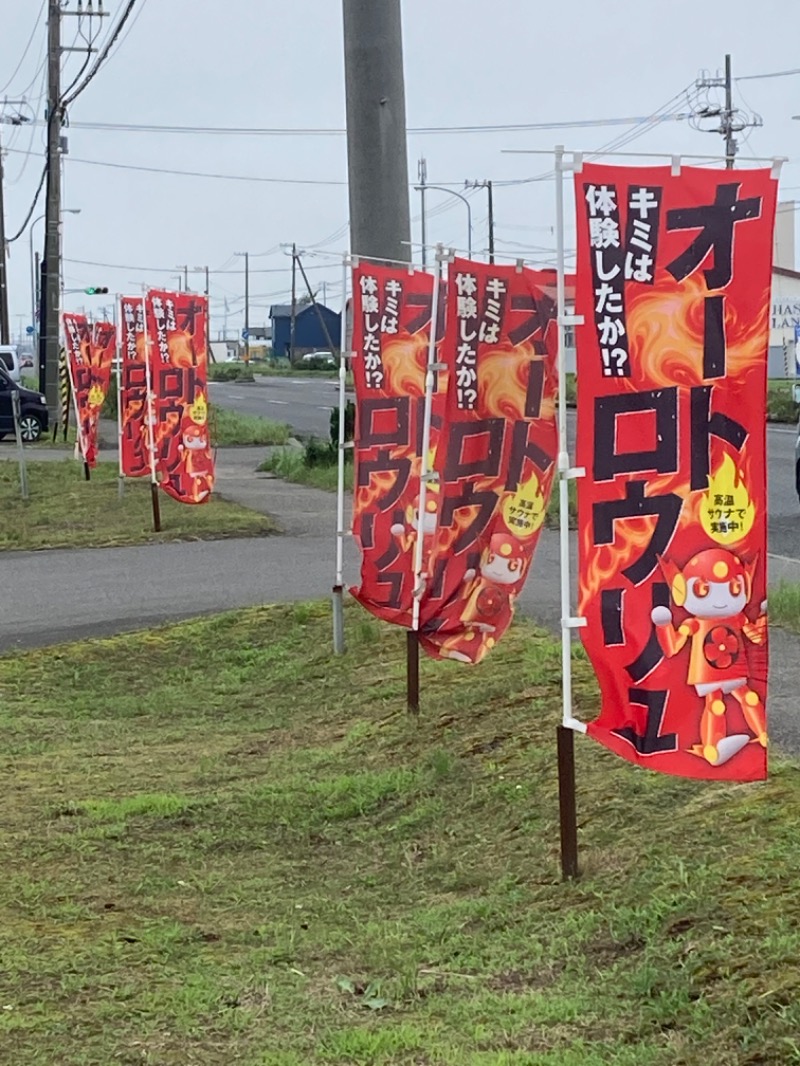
{"x": 51, "y": 265}
{"x": 486, "y": 184}
{"x": 185, "y": 272}
{"x": 729, "y": 124}
{"x": 4, "y": 330}
{"x": 293, "y": 318}
{"x": 422, "y": 174}
{"x": 246, "y": 331}
{"x": 377, "y": 158}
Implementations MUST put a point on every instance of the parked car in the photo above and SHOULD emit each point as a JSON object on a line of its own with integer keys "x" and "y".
{"x": 33, "y": 410}
{"x": 320, "y": 358}
{"x": 9, "y": 358}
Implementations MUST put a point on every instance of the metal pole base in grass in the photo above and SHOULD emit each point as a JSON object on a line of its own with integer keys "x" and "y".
{"x": 156, "y": 507}
{"x": 338, "y": 620}
{"x": 412, "y": 671}
{"x": 566, "y": 802}
{"x": 120, "y": 487}
{"x": 87, "y": 473}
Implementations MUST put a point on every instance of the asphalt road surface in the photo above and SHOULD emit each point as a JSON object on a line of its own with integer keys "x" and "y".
{"x": 305, "y": 403}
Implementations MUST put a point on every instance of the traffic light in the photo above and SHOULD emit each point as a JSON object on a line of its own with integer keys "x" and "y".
{"x": 95, "y": 290}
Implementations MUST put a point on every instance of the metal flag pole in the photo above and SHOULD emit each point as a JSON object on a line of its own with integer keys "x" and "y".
{"x": 425, "y": 475}
{"x": 565, "y": 733}
{"x": 120, "y": 326}
{"x": 151, "y": 423}
{"x": 23, "y": 470}
{"x": 338, "y": 586}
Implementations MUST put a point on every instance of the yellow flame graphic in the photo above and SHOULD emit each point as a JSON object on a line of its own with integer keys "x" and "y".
{"x": 96, "y": 396}
{"x": 523, "y": 510}
{"x": 198, "y": 412}
{"x": 727, "y": 513}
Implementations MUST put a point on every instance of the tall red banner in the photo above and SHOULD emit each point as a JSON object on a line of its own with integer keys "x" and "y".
{"x": 674, "y": 274}
{"x": 135, "y": 441}
{"x": 497, "y": 454}
{"x": 90, "y": 351}
{"x": 392, "y": 311}
{"x": 178, "y": 354}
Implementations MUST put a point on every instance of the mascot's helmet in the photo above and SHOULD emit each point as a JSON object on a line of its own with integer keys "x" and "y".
{"x": 711, "y": 565}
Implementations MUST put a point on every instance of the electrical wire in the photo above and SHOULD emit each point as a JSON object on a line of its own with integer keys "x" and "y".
{"x": 102, "y": 55}
{"x": 300, "y": 131}
{"x": 29, "y": 215}
{"x": 771, "y": 74}
{"x": 26, "y": 49}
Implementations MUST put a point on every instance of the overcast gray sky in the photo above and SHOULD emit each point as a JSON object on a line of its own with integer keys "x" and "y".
{"x": 249, "y": 63}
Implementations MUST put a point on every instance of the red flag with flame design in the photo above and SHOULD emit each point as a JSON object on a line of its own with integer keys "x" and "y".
{"x": 674, "y": 274}
{"x": 392, "y": 311}
{"x": 178, "y": 354}
{"x": 133, "y": 389}
{"x": 90, "y": 351}
{"x": 496, "y": 456}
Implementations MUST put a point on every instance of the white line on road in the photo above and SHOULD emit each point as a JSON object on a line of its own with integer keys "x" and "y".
{"x": 284, "y": 403}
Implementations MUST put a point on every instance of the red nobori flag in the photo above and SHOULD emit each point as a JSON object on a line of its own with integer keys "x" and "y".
{"x": 178, "y": 352}
{"x": 496, "y": 457}
{"x": 391, "y": 331}
{"x": 674, "y": 276}
{"x": 133, "y": 389}
{"x": 90, "y": 354}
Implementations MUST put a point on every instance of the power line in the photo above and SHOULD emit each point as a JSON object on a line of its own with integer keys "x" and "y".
{"x": 26, "y": 49}
{"x": 29, "y": 215}
{"x": 310, "y": 131}
{"x": 171, "y": 270}
{"x": 102, "y": 54}
{"x": 771, "y": 74}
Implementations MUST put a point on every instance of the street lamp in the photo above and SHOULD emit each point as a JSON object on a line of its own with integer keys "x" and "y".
{"x": 452, "y": 192}
{"x": 35, "y": 285}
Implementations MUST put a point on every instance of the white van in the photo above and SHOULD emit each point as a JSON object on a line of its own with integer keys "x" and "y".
{"x": 9, "y": 358}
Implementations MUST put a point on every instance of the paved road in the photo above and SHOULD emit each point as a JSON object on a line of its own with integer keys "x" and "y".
{"x": 305, "y": 403}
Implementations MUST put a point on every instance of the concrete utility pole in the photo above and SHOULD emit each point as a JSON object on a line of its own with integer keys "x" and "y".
{"x": 51, "y": 266}
{"x": 485, "y": 184}
{"x": 293, "y": 312}
{"x": 4, "y": 328}
{"x": 728, "y": 123}
{"x": 377, "y": 157}
{"x": 422, "y": 174}
{"x": 246, "y": 256}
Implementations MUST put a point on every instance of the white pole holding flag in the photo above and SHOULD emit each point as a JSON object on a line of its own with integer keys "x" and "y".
{"x": 338, "y": 587}
{"x": 425, "y": 475}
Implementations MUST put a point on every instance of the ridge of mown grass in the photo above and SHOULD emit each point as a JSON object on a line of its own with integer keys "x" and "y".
{"x": 66, "y": 511}
{"x": 222, "y": 844}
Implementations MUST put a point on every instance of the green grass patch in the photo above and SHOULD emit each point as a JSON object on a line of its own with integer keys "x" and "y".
{"x": 291, "y": 465}
{"x": 784, "y": 605}
{"x": 65, "y": 511}
{"x": 230, "y": 372}
{"x": 226, "y": 845}
{"x": 231, "y": 428}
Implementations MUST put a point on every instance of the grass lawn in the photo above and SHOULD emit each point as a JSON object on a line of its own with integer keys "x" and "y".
{"x": 225, "y": 846}
{"x": 230, "y": 428}
{"x": 65, "y": 511}
{"x": 784, "y": 605}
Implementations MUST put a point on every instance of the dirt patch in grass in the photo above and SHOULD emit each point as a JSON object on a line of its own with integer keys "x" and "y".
{"x": 223, "y": 844}
{"x": 65, "y": 511}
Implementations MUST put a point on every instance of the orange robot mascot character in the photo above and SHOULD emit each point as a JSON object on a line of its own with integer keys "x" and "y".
{"x": 407, "y": 531}
{"x": 502, "y": 572}
{"x": 714, "y": 588}
{"x": 195, "y": 450}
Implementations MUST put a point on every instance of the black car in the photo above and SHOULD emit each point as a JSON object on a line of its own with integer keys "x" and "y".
{"x": 33, "y": 410}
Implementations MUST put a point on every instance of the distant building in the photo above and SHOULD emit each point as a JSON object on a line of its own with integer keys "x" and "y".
{"x": 309, "y": 335}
